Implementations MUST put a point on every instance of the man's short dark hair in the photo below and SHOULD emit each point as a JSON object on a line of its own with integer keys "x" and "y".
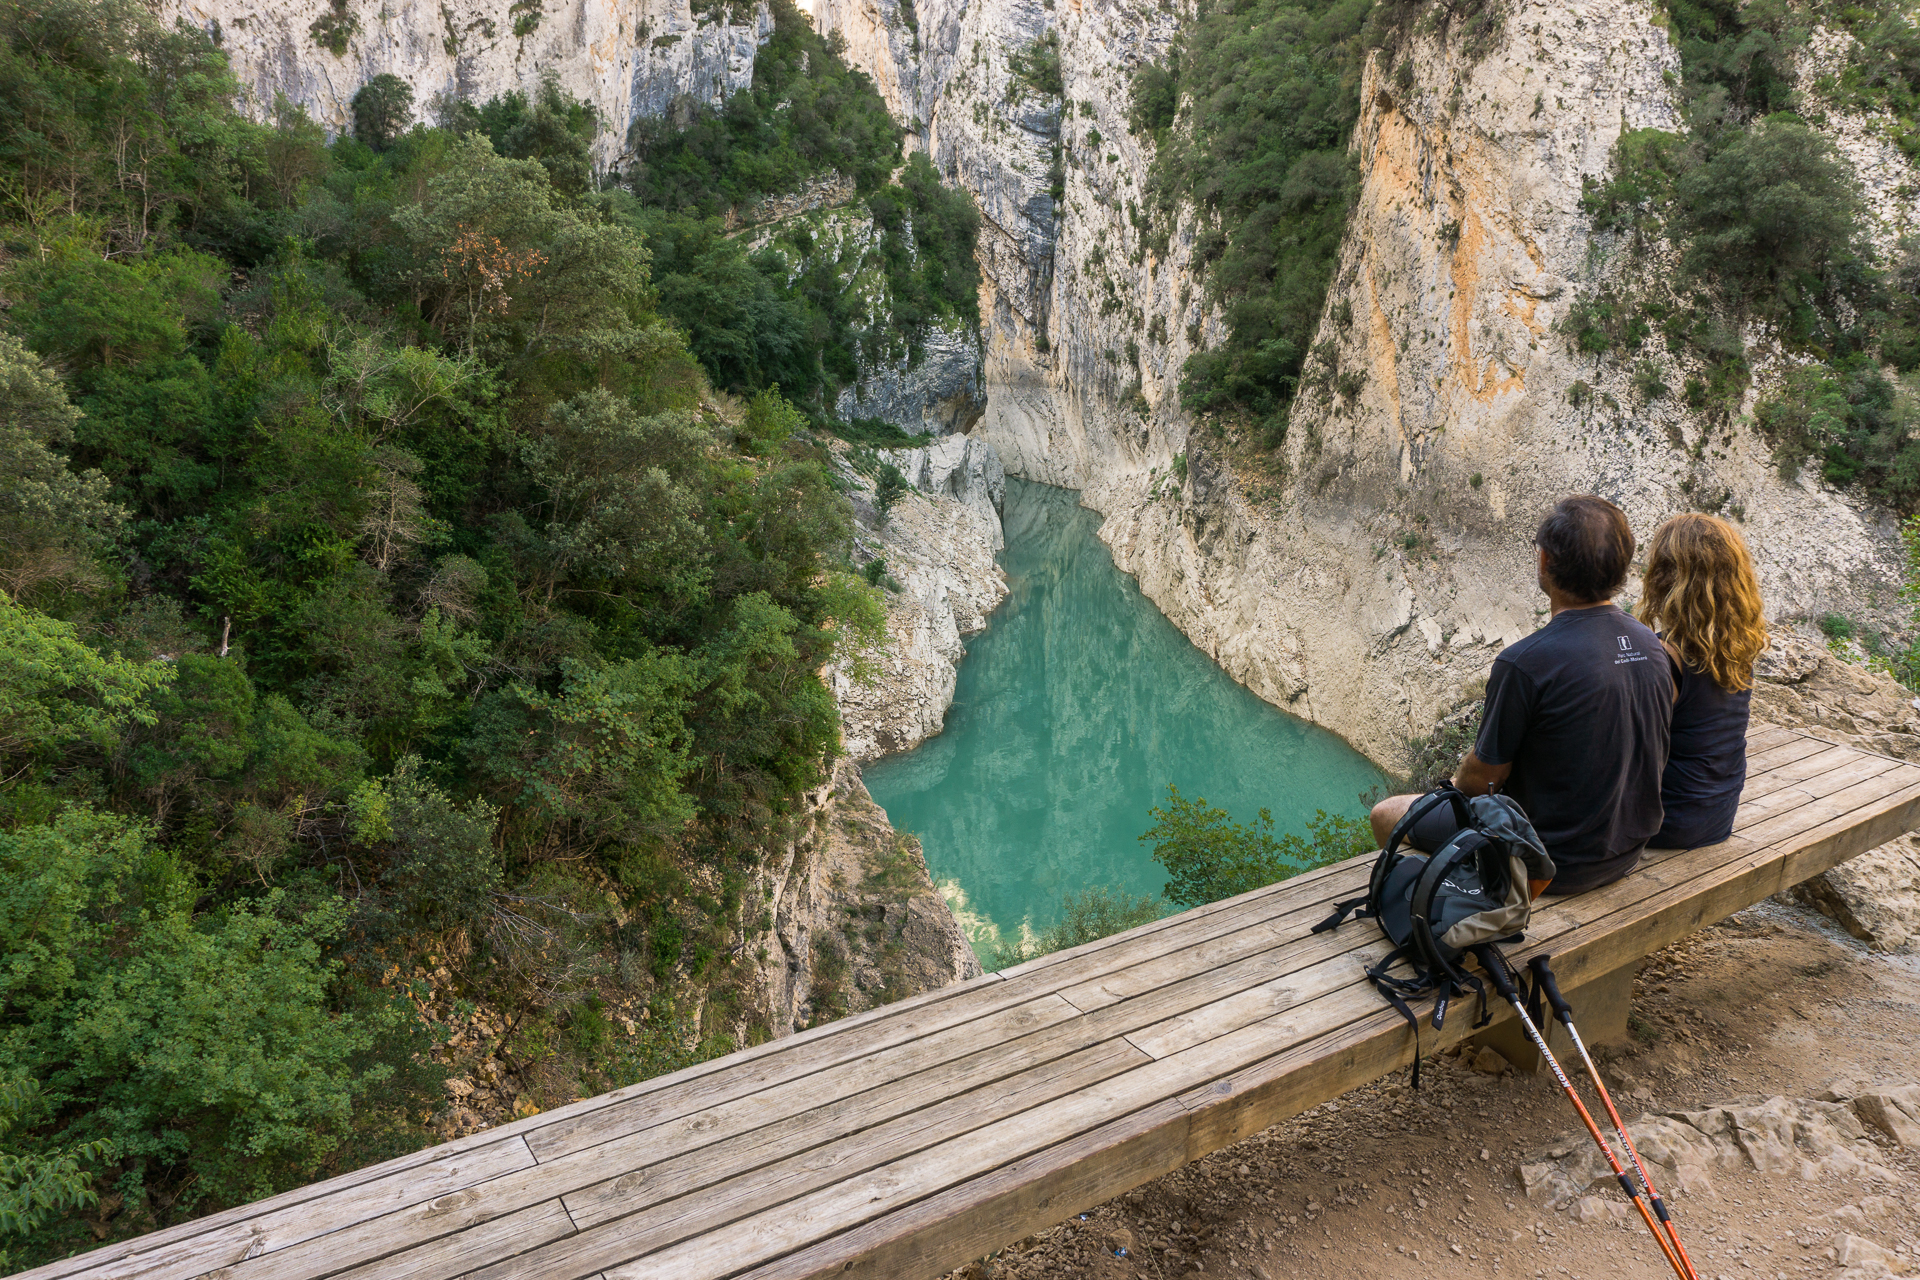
{"x": 1589, "y": 547}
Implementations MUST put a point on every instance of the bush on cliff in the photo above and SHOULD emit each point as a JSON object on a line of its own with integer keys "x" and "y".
{"x": 1251, "y": 116}
{"x": 1768, "y": 220}
{"x": 806, "y": 114}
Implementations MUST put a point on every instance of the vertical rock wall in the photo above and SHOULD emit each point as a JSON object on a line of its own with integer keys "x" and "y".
{"x": 1365, "y": 575}
{"x": 629, "y": 61}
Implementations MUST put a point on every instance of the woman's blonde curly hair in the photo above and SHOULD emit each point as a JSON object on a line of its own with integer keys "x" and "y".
{"x": 1700, "y": 592}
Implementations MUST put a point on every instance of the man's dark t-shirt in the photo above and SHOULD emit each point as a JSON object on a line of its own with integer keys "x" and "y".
{"x": 1581, "y": 709}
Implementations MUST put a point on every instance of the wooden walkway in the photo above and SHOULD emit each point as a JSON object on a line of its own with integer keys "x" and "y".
{"x": 905, "y": 1141}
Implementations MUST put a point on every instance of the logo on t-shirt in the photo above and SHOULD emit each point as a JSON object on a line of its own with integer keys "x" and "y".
{"x": 1627, "y": 652}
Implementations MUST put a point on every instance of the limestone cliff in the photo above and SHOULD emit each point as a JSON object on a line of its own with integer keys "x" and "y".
{"x": 628, "y": 60}
{"x": 853, "y": 920}
{"x": 935, "y": 556}
{"x": 1365, "y": 576}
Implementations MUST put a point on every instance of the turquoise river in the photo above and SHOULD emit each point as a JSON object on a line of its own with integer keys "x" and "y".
{"x": 1073, "y": 711}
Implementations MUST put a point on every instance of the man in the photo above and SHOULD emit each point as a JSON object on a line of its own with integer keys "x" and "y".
{"x": 1576, "y": 721}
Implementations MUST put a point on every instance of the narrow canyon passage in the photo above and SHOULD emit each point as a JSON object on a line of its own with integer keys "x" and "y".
{"x": 1072, "y": 714}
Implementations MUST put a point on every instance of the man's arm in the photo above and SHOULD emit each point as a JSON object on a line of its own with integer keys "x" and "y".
{"x": 1477, "y": 778}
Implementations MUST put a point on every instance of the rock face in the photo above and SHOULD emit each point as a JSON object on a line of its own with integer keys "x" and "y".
{"x": 933, "y": 387}
{"x": 856, "y": 922}
{"x": 963, "y": 469}
{"x": 938, "y": 547}
{"x": 1365, "y": 576}
{"x": 628, "y": 61}
{"x": 925, "y": 382}
{"x": 1808, "y": 1138}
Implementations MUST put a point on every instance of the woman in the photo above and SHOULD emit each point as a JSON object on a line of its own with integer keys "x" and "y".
{"x": 1701, "y": 596}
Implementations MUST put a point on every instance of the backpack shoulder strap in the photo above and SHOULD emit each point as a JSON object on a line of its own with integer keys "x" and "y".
{"x": 1443, "y": 794}
{"x": 1436, "y": 870}
{"x": 1355, "y": 907}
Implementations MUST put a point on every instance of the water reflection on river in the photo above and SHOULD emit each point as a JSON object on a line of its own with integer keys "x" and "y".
{"x": 1074, "y": 710}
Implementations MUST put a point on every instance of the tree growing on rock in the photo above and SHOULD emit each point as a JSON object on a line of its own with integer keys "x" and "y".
{"x": 382, "y": 110}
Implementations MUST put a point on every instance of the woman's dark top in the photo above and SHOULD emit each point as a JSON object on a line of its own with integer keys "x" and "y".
{"x": 1706, "y": 763}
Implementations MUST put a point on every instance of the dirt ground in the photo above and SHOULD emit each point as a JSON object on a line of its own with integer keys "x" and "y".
{"x": 1388, "y": 1183}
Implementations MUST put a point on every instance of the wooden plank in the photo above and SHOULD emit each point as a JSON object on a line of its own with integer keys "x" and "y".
{"x": 763, "y": 1237}
{"x": 739, "y": 1143}
{"x": 1022, "y": 1101}
{"x": 471, "y": 1210}
{"x": 919, "y": 1075}
{"x": 1813, "y": 771}
{"x": 687, "y": 1129}
{"x": 516, "y": 1232}
{"x": 631, "y": 1114}
{"x": 1249, "y": 905}
{"x": 182, "y": 1255}
{"x": 1776, "y": 746}
{"x": 1764, "y": 737}
{"x": 935, "y": 1235}
{"x": 1810, "y": 772}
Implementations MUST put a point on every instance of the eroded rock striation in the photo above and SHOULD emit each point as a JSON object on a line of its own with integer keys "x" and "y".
{"x": 937, "y": 548}
{"x": 855, "y": 921}
{"x": 628, "y": 61}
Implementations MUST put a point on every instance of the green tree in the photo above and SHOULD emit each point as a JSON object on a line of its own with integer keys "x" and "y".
{"x": 1774, "y": 213}
{"x": 382, "y": 110}
{"x": 503, "y": 266}
{"x": 553, "y": 127}
{"x": 770, "y": 421}
{"x": 888, "y": 489}
{"x": 38, "y": 1184}
{"x": 598, "y": 762}
{"x": 295, "y": 152}
{"x": 620, "y": 508}
{"x": 58, "y": 693}
{"x": 1209, "y": 856}
{"x": 203, "y": 1045}
{"x": 442, "y": 870}
{"x": 54, "y": 523}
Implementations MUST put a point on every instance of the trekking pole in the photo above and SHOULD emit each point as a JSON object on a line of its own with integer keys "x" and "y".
{"x": 1496, "y": 966}
{"x": 1563, "y": 1012}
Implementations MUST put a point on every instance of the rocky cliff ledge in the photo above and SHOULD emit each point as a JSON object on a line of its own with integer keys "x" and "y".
{"x": 855, "y": 921}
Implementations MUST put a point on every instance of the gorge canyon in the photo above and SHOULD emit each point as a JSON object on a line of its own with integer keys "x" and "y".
{"x": 1361, "y": 570}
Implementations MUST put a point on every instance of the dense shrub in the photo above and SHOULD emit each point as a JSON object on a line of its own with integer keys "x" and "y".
{"x": 1767, "y": 217}
{"x": 807, "y": 113}
{"x": 1270, "y": 93}
{"x": 785, "y": 316}
{"x": 1855, "y": 423}
{"x": 1209, "y": 856}
{"x": 552, "y": 127}
{"x": 382, "y": 110}
{"x": 383, "y": 591}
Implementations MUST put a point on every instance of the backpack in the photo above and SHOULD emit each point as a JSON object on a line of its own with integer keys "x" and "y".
{"x": 1435, "y": 907}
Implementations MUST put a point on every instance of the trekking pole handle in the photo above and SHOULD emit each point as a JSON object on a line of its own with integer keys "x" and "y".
{"x": 1543, "y": 975}
{"x": 1495, "y": 964}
